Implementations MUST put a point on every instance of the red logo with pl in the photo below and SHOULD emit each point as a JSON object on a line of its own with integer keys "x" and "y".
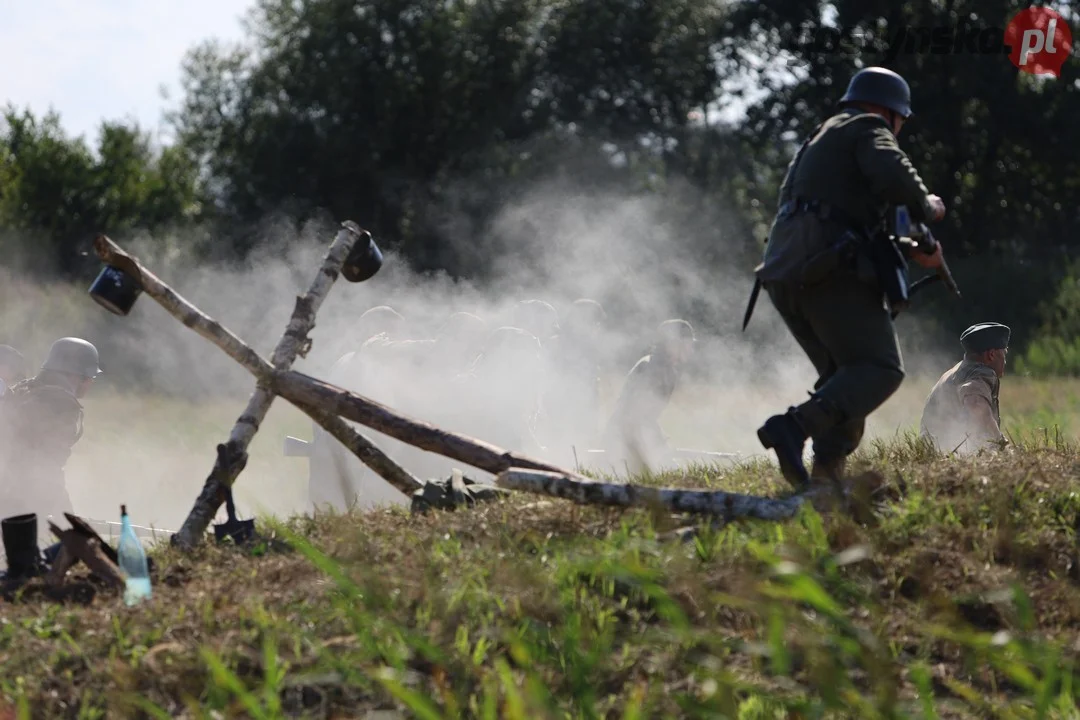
{"x": 1040, "y": 40}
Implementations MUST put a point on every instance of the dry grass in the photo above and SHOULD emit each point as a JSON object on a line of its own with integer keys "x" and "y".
{"x": 961, "y": 597}
{"x": 531, "y": 608}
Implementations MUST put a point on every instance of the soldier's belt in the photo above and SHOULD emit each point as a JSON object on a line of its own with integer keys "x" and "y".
{"x": 822, "y": 210}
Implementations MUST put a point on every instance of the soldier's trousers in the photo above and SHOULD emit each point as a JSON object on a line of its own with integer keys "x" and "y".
{"x": 844, "y": 326}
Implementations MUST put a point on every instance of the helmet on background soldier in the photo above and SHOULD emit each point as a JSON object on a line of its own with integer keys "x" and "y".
{"x": 538, "y": 317}
{"x": 12, "y": 365}
{"x": 73, "y": 356}
{"x": 676, "y": 339}
{"x": 675, "y": 330}
{"x": 378, "y": 320}
{"x": 879, "y": 86}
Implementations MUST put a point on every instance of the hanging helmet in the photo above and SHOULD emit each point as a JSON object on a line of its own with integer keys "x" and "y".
{"x": 74, "y": 356}
{"x": 879, "y": 86}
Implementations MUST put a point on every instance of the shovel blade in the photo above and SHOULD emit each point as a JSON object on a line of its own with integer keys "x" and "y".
{"x": 241, "y": 531}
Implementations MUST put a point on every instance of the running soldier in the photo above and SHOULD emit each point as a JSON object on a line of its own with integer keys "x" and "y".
{"x": 827, "y": 270}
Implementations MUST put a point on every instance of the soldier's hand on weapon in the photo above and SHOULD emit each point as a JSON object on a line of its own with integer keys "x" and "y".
{"x": 937, "y": 206}
{"x": 930, "y": 261}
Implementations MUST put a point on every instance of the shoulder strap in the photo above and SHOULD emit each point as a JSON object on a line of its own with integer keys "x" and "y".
{"x": 784, "y": 198}
{"x": 799, "y": 155}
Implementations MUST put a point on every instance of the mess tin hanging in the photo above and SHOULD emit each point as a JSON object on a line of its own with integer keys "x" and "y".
{"x": 363, "y": 261}
{"x": 115, "y": 290}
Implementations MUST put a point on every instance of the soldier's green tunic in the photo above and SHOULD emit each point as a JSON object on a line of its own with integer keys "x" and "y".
{"x": 837, "y": 310}
{"x": 41, "y": 425}
{"x": 948, "y": 422}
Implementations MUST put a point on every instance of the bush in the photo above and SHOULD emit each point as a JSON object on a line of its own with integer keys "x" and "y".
{"x": 1055, "y": 349}
{"x": 1050, "y": 356}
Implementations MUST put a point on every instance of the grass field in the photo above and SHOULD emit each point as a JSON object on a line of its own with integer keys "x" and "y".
{"x": 958, "y": 598}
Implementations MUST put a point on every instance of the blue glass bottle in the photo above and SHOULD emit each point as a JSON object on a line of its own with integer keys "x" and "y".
{"x": 132, "y": 561}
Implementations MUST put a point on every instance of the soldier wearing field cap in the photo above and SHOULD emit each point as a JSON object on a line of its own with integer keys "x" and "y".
{"x": 962, "y": 413}
{"x": 41, "y": 421}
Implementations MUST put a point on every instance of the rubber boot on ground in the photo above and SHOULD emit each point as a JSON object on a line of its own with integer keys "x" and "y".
{"x": 20, "y": 539}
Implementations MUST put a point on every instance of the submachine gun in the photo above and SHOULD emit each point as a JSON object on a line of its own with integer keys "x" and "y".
{"x": 906, "y": 233}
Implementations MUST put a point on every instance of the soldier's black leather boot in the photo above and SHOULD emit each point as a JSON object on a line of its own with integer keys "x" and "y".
{"x": 786, "y": 436}
{"x": 826, "y": 469}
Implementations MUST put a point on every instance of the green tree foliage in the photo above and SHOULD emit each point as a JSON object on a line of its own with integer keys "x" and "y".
{"x": 994, "y": 143}
{"x": 997, "y": 145}
{"x": 377, "y": 109}
{"x": 55, "y": 193}
{"x": 422, "y": 119}
{"x": 1056, "y": 347}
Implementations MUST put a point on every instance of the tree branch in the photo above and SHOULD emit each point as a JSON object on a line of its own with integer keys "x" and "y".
{"x": 701, "y": 502}
{"x": 232, "y": 456}
{"x": 304, "y": 390}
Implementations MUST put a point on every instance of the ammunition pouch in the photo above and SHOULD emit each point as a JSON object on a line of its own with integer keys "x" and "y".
{"x": 842, "y": 254}
{"x": 808, "y": 243}
{"x": 811, "y": 241}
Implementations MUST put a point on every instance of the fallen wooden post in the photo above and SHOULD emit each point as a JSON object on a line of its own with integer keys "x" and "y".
{"x": 78, "y": 546}
{"x": 363, "y": 448}
{"x": 294, "y": 341}
{"x": 83, "y": 528}
{"x": 304, "y": 390}
{"x": 232, "y": 456}
{"x": 701, "y": 502}
{"x": 327, "y": 404}
{"x": 64, "y": 561}
{"x": 322, "y": 401}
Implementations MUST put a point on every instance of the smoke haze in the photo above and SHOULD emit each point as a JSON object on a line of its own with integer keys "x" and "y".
{"x": 645, "y": 258}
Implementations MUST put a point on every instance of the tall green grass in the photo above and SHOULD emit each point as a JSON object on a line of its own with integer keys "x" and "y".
{"x": 815, "y": 642}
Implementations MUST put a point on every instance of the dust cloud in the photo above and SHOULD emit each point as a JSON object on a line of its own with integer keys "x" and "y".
{"x": 168, "y": 396}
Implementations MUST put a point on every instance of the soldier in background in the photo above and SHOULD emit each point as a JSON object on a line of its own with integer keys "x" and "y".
{"x": 335, "y": 474}
{"x": 537, "y": 317}
{"x": 633, "y": 435}
{"x": 42, "y": 419}
{"x": 571, "y": 417}
{"x": 961, "y": 412}
{"x": 12, "y": 368}
{"x": 458, "y": 342}
{"x": 500, "y": 393}
{"x": 380, "y": 320}
{"x": 541, "y": 320}
{"x": 825, "y": 269}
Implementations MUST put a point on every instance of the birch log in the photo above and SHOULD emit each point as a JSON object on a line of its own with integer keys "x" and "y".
{"x": 232, "y": 455}
{"x": 304, "y": 390}
{"x": 294, "y": 341}
{"x": 111, "y": 254}
{"x": 177, "y": 306}
{"x": 700, "y": 502}
{"x": 364, "y": 449}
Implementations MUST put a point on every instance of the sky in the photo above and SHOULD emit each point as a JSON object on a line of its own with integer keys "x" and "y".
{"x": 93, "y": 60}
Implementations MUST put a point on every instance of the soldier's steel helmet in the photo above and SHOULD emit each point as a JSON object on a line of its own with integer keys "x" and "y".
{"x": 676, "y": 330}
{"x": 13, "y": 358}
{"x": 74, "y": 356}
{"x": 879, "y": 86}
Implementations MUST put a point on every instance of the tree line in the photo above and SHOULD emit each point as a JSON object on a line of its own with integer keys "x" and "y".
{"x": 398, "y": 112}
